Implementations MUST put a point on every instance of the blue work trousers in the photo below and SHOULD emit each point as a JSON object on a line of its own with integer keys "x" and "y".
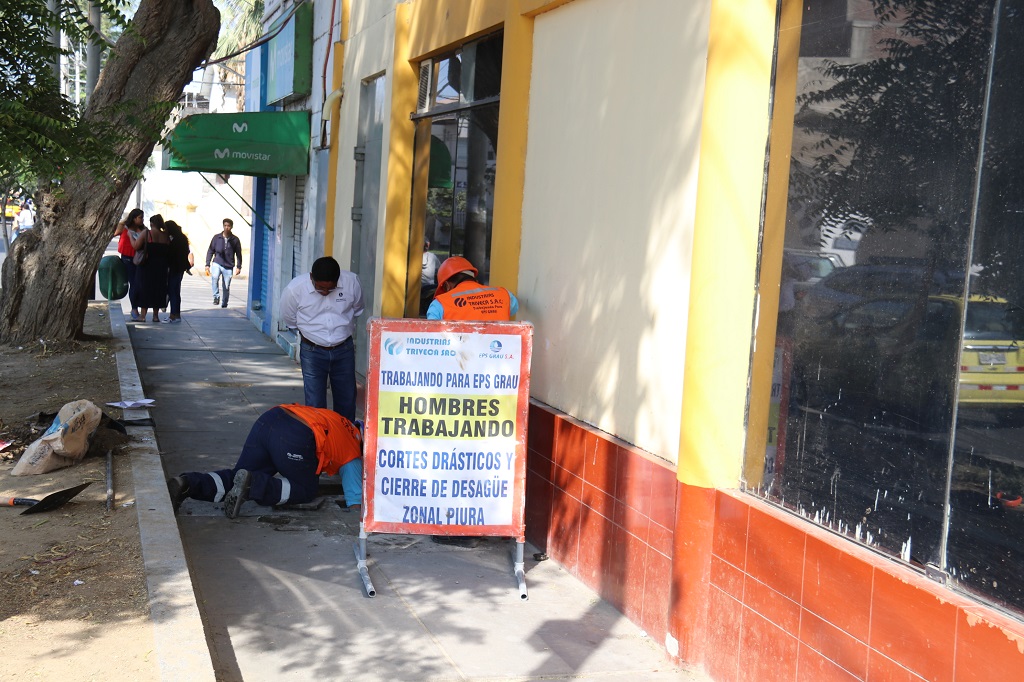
{"x": 278, "y": 443}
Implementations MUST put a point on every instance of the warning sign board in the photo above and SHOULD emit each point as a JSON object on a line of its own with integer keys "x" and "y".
{"x": 445, "y": 442}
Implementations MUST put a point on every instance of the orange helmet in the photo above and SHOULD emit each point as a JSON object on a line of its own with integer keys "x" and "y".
{"x": 451, "y": 267}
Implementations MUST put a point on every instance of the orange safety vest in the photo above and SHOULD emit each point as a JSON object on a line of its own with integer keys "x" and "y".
{"x": 338, "y": 441}
{"x": 474, "y": 301}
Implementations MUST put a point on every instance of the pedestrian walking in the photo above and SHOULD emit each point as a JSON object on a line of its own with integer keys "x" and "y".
{"x": 225, "y": 253}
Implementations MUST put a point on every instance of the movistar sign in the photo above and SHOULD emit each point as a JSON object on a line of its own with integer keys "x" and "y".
{"x": 250, "y": 143}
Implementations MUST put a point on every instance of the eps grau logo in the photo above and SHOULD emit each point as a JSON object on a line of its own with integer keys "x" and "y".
{"x": 495, "y": 346}
{"x": 394, "y": 346}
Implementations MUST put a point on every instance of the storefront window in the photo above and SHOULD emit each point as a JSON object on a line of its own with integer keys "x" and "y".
{"x": 900, "y": 351}
{"x": 456, "y": 158}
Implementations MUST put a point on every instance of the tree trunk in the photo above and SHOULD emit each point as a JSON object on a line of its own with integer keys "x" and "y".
{"x": 48, "y": 275}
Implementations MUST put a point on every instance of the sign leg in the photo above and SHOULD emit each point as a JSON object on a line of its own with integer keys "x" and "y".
{"x": 360, "y": 549}
{"x": 519, "y": 570}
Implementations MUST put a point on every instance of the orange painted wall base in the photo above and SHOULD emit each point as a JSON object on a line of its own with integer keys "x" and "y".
{"x": 755, "y": 592}
{"x": 604, "y": 511}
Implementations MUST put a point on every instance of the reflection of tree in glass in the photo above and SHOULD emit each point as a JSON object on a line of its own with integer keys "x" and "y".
{"x": 897, "y": 136}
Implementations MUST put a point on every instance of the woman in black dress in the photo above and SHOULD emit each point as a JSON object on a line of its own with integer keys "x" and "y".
{"x": 152, "y": 274}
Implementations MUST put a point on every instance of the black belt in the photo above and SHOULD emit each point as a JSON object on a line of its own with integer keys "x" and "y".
{"x": 317, "y": 345}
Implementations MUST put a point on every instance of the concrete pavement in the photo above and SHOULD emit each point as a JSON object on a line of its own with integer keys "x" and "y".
{"x": 278, "y": 591}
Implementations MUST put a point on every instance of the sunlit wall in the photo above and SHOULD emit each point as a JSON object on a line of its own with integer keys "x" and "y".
{"x": 608, "y": 210}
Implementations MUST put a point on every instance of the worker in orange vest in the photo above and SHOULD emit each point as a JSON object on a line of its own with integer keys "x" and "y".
{"x": 295, "y": 441}
{"x": 460, "y": 297}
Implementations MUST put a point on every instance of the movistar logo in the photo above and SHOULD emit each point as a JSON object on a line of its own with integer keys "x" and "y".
{"x": 221, "y": 153}
{"x": 240, "y": 127}
{"x": 394, "y": 346}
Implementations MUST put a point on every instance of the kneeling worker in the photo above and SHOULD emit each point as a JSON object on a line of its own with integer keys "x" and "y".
{"x": 460, "y": 297}
{"x": 295, "y": 441}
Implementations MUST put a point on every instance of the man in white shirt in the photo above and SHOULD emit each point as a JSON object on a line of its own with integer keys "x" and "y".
{"x": 323, "y": 306}
{"x": 26, "y": 219}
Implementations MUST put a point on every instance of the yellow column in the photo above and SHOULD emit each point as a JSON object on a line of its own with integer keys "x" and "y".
{"x": 734, "y": 136}
{"x": 779, "y": 157}
{"x": 400, "y": 152}
{"x": 337, "y": 80}
{"x": 506, "y": 237}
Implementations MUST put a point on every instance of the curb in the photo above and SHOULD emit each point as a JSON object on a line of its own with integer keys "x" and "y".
{"x": 181, "y": 648}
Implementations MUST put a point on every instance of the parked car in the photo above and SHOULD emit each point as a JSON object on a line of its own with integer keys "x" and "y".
{"x": 11, "y": 211}
{"x": 898, "y": 355}
{"x": 992, "y": 360}
{"x": 889, "y": 359}
{"x": 846, "y": 286}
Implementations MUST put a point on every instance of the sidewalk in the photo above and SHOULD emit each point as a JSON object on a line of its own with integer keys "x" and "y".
{"x": 278, "y": 590}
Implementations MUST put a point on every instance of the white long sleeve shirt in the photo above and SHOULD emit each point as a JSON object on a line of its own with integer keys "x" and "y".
{"x": 324, "y": 320}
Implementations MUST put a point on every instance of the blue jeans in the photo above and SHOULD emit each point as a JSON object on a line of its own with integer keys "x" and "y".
{"x": 174, "y": 292}
{"x": 217, "y": 271}
{"x": 338, "y": 366}
{"x": 133, "y": 285}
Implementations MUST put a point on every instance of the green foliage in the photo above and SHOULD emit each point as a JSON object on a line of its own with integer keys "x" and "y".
{"x": 42, "y": 133}
{"x": 241, "y": 25}
{"x": 898, "y": 135}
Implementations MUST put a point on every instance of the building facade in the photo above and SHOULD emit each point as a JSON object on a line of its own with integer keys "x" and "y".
{"x": 770, "y": 470}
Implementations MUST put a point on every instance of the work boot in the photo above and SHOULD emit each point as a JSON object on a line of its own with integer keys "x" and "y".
{"x": 238, "y": 494}
{"x": 177, "y": 487}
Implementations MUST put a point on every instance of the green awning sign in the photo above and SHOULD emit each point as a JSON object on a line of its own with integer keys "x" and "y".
{"x": 249, "y": 143}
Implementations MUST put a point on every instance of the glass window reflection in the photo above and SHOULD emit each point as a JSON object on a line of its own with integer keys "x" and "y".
{"x": 901, "y": 327}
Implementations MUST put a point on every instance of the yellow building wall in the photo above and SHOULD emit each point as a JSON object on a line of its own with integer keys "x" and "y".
{"x": 723, "y": 285}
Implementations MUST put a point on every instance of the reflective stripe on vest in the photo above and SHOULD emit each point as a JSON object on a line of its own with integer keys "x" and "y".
{"x": 475, "y": 301}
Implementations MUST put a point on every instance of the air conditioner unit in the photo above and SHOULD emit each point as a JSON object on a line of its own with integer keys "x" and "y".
{"x": 426, "y": 85}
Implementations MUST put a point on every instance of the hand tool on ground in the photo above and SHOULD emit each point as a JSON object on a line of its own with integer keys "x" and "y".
{"x": 51, "y": 501}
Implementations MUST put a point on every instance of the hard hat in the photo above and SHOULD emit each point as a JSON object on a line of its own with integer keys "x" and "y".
{"x": 451, "y": 267}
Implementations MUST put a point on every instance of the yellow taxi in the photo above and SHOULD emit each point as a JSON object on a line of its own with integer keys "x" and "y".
{"x": 992, "y": 359}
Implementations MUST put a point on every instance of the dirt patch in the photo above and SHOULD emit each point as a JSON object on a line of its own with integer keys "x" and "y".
{"x": 74, "y": 590}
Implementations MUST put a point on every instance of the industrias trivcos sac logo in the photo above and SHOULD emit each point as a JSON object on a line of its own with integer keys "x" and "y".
{"x": 394, "y": 346}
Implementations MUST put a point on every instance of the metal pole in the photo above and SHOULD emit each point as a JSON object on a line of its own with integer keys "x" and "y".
{"x": 110, "y": 480}
{"x": 360, "y": 549}
{"x": 93, "y": 52}
{"x": 519, "y": 570}
{"x": 53, "y": 6}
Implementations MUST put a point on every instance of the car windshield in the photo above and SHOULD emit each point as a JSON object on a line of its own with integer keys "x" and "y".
{"x": 993, "y": 320}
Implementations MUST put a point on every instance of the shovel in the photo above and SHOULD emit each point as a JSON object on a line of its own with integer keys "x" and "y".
{"x": 51, "y": 501}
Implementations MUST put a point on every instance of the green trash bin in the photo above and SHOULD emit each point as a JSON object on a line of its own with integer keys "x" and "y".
{"x": 113, "y": 278}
